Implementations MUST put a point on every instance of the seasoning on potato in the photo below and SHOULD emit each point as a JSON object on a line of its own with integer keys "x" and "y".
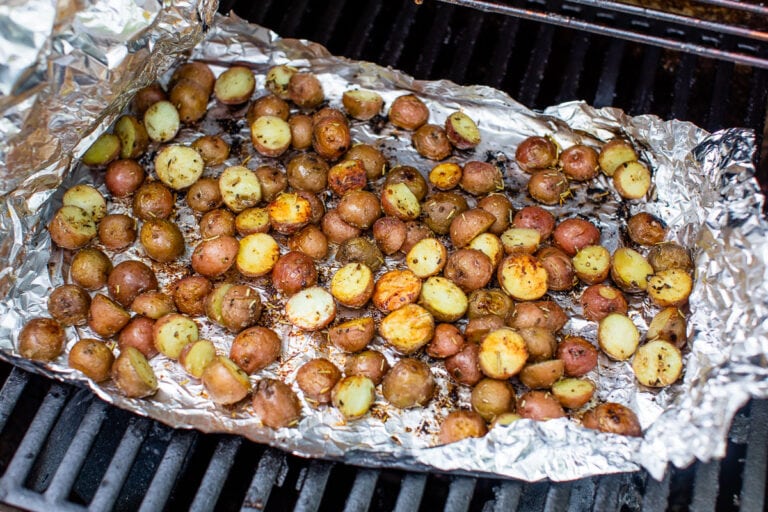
{"x": 41, "y": 339}
{"x": 275, "y": 403}
{"x": 133, "y": 375}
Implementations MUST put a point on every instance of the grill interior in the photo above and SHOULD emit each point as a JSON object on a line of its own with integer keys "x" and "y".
{"x": 62, "y": 448}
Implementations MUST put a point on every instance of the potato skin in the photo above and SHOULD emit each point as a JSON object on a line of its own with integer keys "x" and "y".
{"x": 224, "y": 382}
{"x": 132, "y": 374}
{"x": 331, "y": 138}
{"x": 190, "y": 99}
{"x": 275, "y": 403}
{"x": 117, "y": 231}
{"x": 408, "y": 384}
{"x": 162, "y": 240}
{"x": 613, "y": 418}
{"x": 272, "y": 180}
{"x": 469, "y": 269}
{"x": 536, "y": 153}
{"x": 646, "y": 229}
{"x": 491, "y": 398}
{"x": 305, "y": 90}
{"x": 560, "y": 273}
{"x": 669, "y": 255}
{"x": 360, "y": 250}
{"x": 441, "y": 209}
{"x": 490, "y": 302}
{"x": 153, "y": 304}
{"x": 467, "y": 225}
{"x": 316, "y": 379}
{"x": 578, "y": 355}
{"x": 293, "y": 271}
{"x": 539, "y": 406}
{"x": 308, "y": 171}
{"x": 268, "y": 105}
{"x": 408, "y": 112}
{"x": 549, "y": 187}
{"x": 540, "y": 342}
{"x": 546, "y": 314}
{"x": 311, "y": 241}
{"x": 139, "y": 334}
{"x": 129, "y": 279}
{"x": 389, "y": 233}
{"x": 373, "y": 160}
{"x": 41, "y": 339}
{"x": 71, "y": 228}
{"x": 124, "y": 177}
{"x": 106, "y": 317}
{"x": 446, "y": 342}
{"x": 217, "y": 222}
{"x": 240, "y": 307}
{"x": 214, "y": 256}
{"x": 464, "y": 367}
{"x": 204, "y": 195}
{"x": 68, "y": 304}
{"x": 359, "y": 208}
{"x": 362, "y": 104}
{"x": 369, "y": 363}
{"x": 93, "y": 358}
{"x": 352, "y": 335}
{"x": 189, "y": 294}
{"x": 301, "y": 131}
{"x": 147, "y": 96}
{"x": 431, "y": 141}
{"x": 460, "y": 425}
{"x": 255, "y": 348}
{"x": 212, "y": 148}
{"x": 500, "y": 207}
{"x": 542, "y": 375}
{"x": 90, "y": 268}
{"x": 478, "y": 328}
{"x": 571, "y": 235}
{"x": 411, "y": 177}
{"x": 600, "y": 300}
{"x": 347, "y": 176}
{"x": 153, "y": 200}
{"x": 535, "y": 217}
{"x": 336, "y": 230}
{"x": 579, "y": 162}
{"x": 480, "y": 178}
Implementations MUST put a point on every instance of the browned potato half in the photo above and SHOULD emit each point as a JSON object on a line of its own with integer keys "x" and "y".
{"x": 500, "y": 207}
{"x": 408, "y": 384}
{"x": 658, "y": 363}
{"x": 646, "y": 229}
{"x": 491, "y": 246}
{"x": 398, "y": 201}
{"x": 539, "y": 406}
{"x": 427, "y": 258}
{"x": 536, "y": 153}
{"x": 395, "y": 289}
{"x": 317, "y": 204}
{"x": 204, "y": 195}
{"x": 411, "y": 177}
{"x": 124, "y": 177}
{"x": 362, "y": 104}
{"x": 479, "y": 327}
{"x": 154, "y": 304}
{"x": 572, "y": 235}
{"x": 198, "y": 72}
{"x": 173, "y": 332}
{"x": 480, "y": 178}
{"x": 316, "y": 378}
{"x": 359, "y": 208}
{"x": 560, "y": 273}
{"x": 216, "y": 223}
{"x": 214, "y": 301}
{"x": 408, "y": 328}
{"x": 224, "y": 382}
{"x": 106, "y": 317}
{"x": 549, "y": 187}
{"x": 372, "y": 158}
{"x": 255, "y": 348}
{"x": 268, "y": 105}
{"x": 240, "y": 307}
{"x": 467, "y": 225}
{"x": 212, "y": 148}
{"x": 515, "y": 240}
{"x": 579, "y": 162}
{"x": 133, "y": 137}
{"x": 446, "y": 342}
{"x": 234, "y": 86}
{"x": 288, "y": 213}
{"x": 129, "y": 279}
{"x": 273, "y": 181}
{"x": 162, "y": 121}
{"x": 352, "y": 285}
{"x": 275, "y": 403}
{"x": 669, "y": 255}
{"x": 491, "y": 397}
{"x": 309, "y": 172}
{"x": 369, "y": 363}
{"x": 430, "y": 141}
{"x": 613, "y": 418}
{"x": 336, "y": 230}
{"x": 443, "y": 298}
{"x": 540, "y": 342}
{"x": 305, "y": 90}
{"x": 618, "y": 337}
{"x": 573, "y": 393}
{"x": 278, "y": 78}
{"x": 542, "y": 375}
{"x": 196, "y": 357}
{"x": 90, "y": 268}
{"x": 162, "y": 240}
{"x": 469, "y": 269}
{"x": 132, "y": 374}
{"x": 670, "y": 287}
{"x": 668, "y": 325}
{"x": 139, "y": 333}
{"x": 105, "y": 149}
{"x": 153, "y": 200}
{"x": 535, "y": 217}
{"x": 630, "y": 270}
{"x": 68, "y": 304}
{"x": 352, "y": 335}
{"x": 117, "y": 231}
{"x": 347, "y": 176}
{"x": 311, "y": 309}
{"x": 252, "y": 220}
{"x": 257, "y": 255}
{"x": 389, "y": 233}
{"x": 408, "y": 112}
{"x": 311, "y": 241}
{"x": 460, "y": 425}
{"x": 445, "y": 176}
{"x": 415, "y": 231}
{"x": 360, "y": 250}
{"x": 523, "y": 277}
{"x": 600, "y": 300}
{"x": 270, "y": 135}
{"x": 148, "y": 96}
{"x": 441, "y": 209}
{"x": 464, "y": 367}
{"x": 71, "y": 227}
{"x": 546, "y": 313}
{"x": 632, "y": 180}
{"x": 240, "y": 188}
{"x": 353, "y": 396}
{"x": 503, "y": 353}
{"x": 592, "y": 264}
{"x": 293, "y": 272}
{"x": 190, "y": 99}
{"x": 462, "y": 131}
{"x": 490, "y": 302}
{"x": 615, "y": 153}
{"x": 93, "y": 358}
{"x": 41, "y": 339}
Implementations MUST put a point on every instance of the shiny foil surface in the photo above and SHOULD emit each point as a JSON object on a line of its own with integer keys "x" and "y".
{"x": 77, "y": 70}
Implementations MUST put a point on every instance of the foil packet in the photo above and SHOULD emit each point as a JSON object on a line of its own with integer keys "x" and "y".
{"x": 704, "y": 189}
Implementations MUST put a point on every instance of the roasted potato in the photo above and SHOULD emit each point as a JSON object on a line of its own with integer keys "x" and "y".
{"x": 311, "y": 241}
{"x": 196, "y": 357}
{"x": 255, "y": 348}
{"x": 311, "y": 309}
{"x": 352, "y": 335}
{"x": 398, "y": 201}
{"x": 467, "y": 225}
{"x": 395, "y": 289}
{"x": 93, "y": 358}
{"x": 539, "y": 406}
{"x": 212, "y": 148}
{"x": 240, "y": 307}
{"x": 354, "y": 395}
{"x": 411, "y": 177}
{"x": 464, "y": 367}
{"x": 389, "y": 233}
{"x": 516, "y": 240}
{"x": 460, "y": 425}
{"x": 148, "y": 96}
{"x": 573, "y": 393}
{"x": 646, "y": 229}
{"x": 540, "y": 342}
{"x": 615, "y": 153}
{"x": 162, "y": 121}
{"x": 441, "y": 209}
{"x": 579, "y": 162}
{"x": 572, "y": 235}
{"x": 373, "y": 160}
{"x": 252, "y": 220}
{"x": 613, "y": 418}
{"x": 445, "y": 176}
{"x": 481, "y": 178}
{"x": 153, "y": 304}
{"x": 293, "y": 272}
{"x": 408, "y": 328}
{"x": 71, "y": 227}
{"x": 336, "y": 229}
{"x": 90, "y": 268}
{"x": 579, "y": 356}
{"x": 301, "y": 131}
{"x": 331, "y": 137}
{"x": 669, "y": 255}
{"x": 117, "y": 231}
{"x": 124, "y": 177}
{"x": 446, "y": 341}
{"x": 535, "y": 217}
{"x": 536, "y": 153}
{"x": 408, "y": 112}
{"x": 276, "y": 404}
{"x": 426, "y": 258}
{"x": 632, "y": 180}
{"x": 41, "y": 339}
{"x": 359, "y": 208}
{"x": 658, "y": 363}
{"x": 592, "y": 264}
{"x": 491, "y": 397}
{"x": 549, "y": 187}
{"x": 352, "y": 285}
{"x": 545, "y": 313}
{"x": 288, "y": 213}
{"x": 173, "y": 332}
{"x": 240, "y": 188}
{"x": 503, "y": 353}
{"x": 369, "y": 363}
{"x": 106, "y": 317}
{"x": 162, "y": 240}
{"x": 362, "y": 104}
{"x": 309, "y": 172}
{"x": 478, "y": 328}
{"x": 139, "y": 333}
{"x": 217, "y": 222}
{"x": 132, "y": 374}
{"x": 153, "y": 200}
{"x": 316, "y": 379}
{"x": 430, "y": 141}
{"x": 277, "y": 80}
{"x": 462, "y": 131}
{"x": 215, "y": 300}
{"x": 415, "y": 232}
{"x": 522, "y": 276}
{"x": 490, "y": 245}
{"x": 500, "y": 207}
{"x": 560, "y": 273}
{"x": 197, "y": 72}
{"x": 234, "y": 86}
{"x": 443, "y": 298}
{"x": 268, "y": 105}
{"x": 105, "y": 149}
{"x": 670, "y": 287}
{"x": 668, "y": 325}
{"x": 225, "y": 382}
{"x": 68, "y": 304}
{"x": 360, "y": 250}
{"x": 270, "y": 136}
{"x": 408, "y": 384}
{"x": 204, "y": 195}
{"x": 88, "y": 199}
{"x": 190, "y": 99}
{"x": 542, "y": 375}
{"x": 600, "y": 300}
{"x": 257, "y": 255}
{"x": 630, "y": 270}
{"x": 469, "y": 269}
{"x": 129, "y": 279}
{"x": 305, "y": 90}
{"x": 490, "y": 302}
{"x": 617, "y": 336}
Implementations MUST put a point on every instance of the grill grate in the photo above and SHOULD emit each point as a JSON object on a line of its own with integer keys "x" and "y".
{"x": 63, "y": 449}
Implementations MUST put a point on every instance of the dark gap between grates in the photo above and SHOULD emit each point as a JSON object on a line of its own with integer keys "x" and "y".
{"x": 387, "y": 489}
{"x": 341, "y": 480}
{"x": 240, "y": 476}
{"x": 21, "y": 415}
{"x": 192, "y": 472}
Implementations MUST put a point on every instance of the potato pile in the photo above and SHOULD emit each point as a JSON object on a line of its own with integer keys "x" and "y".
{"x": 443, "y": 270}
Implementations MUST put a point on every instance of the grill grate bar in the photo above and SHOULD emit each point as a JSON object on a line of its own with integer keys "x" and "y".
{"x": 558, "y": 496}
{"x": 465, "y": 43}
{"x": 507, "y": 496}
{"x": 607, "y": 494}
{"x": 534, "y": 74}
{"x": 606, "y": 91}
{"x": 572, "y": 75}
{"x": 359, "y": 498}
{"x": 460, "y": 494}
{"x": 644, "y": 89}
{"x": 167, "y": 471}
{"x": 502, "y": 52}
{"x": 76, "y": 452}
{"x": 365, "y": 24}
{"x": 216, "y": 474}
{"x": 753, "y": 487}
{"x": 314, "y": 484}
{"x": 121, "y": 463}
{"x": 431, "y": 48}
{"x": 393, "y": 48}
{"x": 656, "y": 493}
{"x": 683, "y": 84}
{"x": 411, "y": 491}
{"x": 582, "y": 495}
{"x": 36, "y": 435}
{"x": 12, "y": 388}
{"x": 263, "y": 480}
{"x": 706, "y": 486}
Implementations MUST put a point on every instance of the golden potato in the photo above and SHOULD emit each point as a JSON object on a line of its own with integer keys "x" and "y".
{"x": 618, "y": 337}
{"x": 354, "y": 395}
{"x": 395, "y": 289}
{"x": 407, "y": 329}
{"x": 311, "y": 309}
{"x": 503, "y": 353}
{"x": 443, "y": 298}
{"x": 460, "y": 425}
{"x": 41, "y": 339}
{"x": 132, "y": 374}
{"x": 523, "y": 277}
{"x": 93, "y": 358}
{"x": 658, "y": 363}
{"x": 225, "y": 382}
{"x": 408, "y": 384}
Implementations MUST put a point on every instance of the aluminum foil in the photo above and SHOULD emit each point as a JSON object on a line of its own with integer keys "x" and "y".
{"x": 704, "y": 188}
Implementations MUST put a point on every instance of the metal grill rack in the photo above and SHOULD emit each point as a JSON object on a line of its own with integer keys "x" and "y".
{"x": 63, "y": 449}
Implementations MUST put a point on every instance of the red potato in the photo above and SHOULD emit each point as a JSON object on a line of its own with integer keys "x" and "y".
{"x": 600, "y": 300}
{"x": 117, "y": 231}
{"x": 293, "y": 272}
{"x": 431, "y": 141}
{"x": 481, "y": 178}
{"x": 479, "y": 327}
{"x": 316, "y": 378}
{"x": 579, "y": 162}
{"x": 162, "y": 240}
{"x": 352, "y": 335}
{"x": 560, "y": 272}
{"x": 93, "y": 358}
{"x": 214, "y": 256}
{"x": 255, "y": 348}
{"x": 106, "y": 317}
{"x": 408, "y": 112}
{"x": 369, "y": 363}
{"x": 71, "y": 227}
{"x": 500, "y": 207}
{"x": 613, "y": 418}
{"x": 124, "y": 177}
{"x": 446, "y": 342}
{"x": 536, "y": 153}
{"x": 460, "y": 425}
{"x": 90, "y": 268}
{"x": 68, "y": 304}
{"x": 546, "y": 314}
{"x": 311, "y": 241}
{"x": 139, "y": 334}
{"x": 153, "y": 304}
{"x": 129, "y": 279}
{"x": 539, "y": 406}
{"x": 224, "y": 382}
{"x": 571, "y": 235}
{"x": 217, "y": 222}
{"x": 41, "y": 339}
{"x": 408, "y": 384}
{"x": 189, "y": 294}
{"x": 153, "y": 200}
{"x": 462, "y": 131}
{"x": 578, "y": 355}
{"x": 464, "y": 366}
{"x": 535, "y": 217}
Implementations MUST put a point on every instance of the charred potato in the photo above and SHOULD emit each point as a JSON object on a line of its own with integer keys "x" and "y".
{"x": 41, "y": 339}
{"x": 93, "y": 358}
{"x": 646, "y": 229}
{"x": 460, "y": 425}
{"x": 276, "y": 404}
{"x": 316, "y": 379}
{"x": 408, "y": 112}
{"x": 255, "y": 348}
{"x": 352, "y": 335}
{"x": 132, "y": 374}
{"x": 347, "y": 176}
{"x": 408, "y": 384}
{"x": 224, "y": 382}
{"x": 68, "y": 304}
{"x": 408, "y": 328}
{"x": 395, "y": 289}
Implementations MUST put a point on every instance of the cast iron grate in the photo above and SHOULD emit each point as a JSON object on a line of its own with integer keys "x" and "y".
{"x": 63, "y": 449}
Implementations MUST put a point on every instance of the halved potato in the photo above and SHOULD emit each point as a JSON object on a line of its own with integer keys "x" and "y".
{"x": 289, "y": 213}
{"x": 618, "y": 336}
{"x": 133, "y": 375}
{"x": 573, "y": 393}
{"x": 669, "y": 325}
{"x": 214, "y": 301}
{"x": 542, "y": 375}
{"x": 179, "y": 167}
{"x": 133, "y": 137}
{"x": 311, "y": 309}
{"x": 395, "y": 289}
{"x": 240, "y": 188}
{"x": 670, "y": 287}
{"x": 353, "y": 396}
{"x": 105, "y": 149}
{"x": 278, "y": 78}
{"x": 462, "y": 131}
{"x": 225, "y": 382}
{"x": 657, "y": 364}
{"x": 362, "y": 104}
{"x": 235, "y": 85}
{"x": 615, "y": 153}
{"x": 195, "y": 357}
{"x": 443, "y": 298}
{"x": 490, "y": 245}
{"x": 468, "y": 225}
{"x": 87, "y": 199}
{"x": 523, "y": 277}
{"x": 632, "y": 180}
{"x": 445, "y": 176}
{"x": 162, "y": 121}
{"x": 346, "y": 176}
{"x": 72, "y": 227}
{"x": 491, "y": 398}
{"x": 352, "y": 285}
{"x": 630, "y": 270}
{"x": 520, "y": 240}
{"x": 270, "y": 136}
{"x": 460, "y": 425}
{"x": 503, "y": 353}
{"x": 353, "y": 335}
{"x": 667, "y": 255}
{"x": 407, "y": 329}
{"x": 173, "y": 332}
{"x": 398, "y": 201}
{"x": 252, "y": 220}
{"x": 427, "y": 257}
{"x": 257, "y": 255}
{"x": 592, "y": 264}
